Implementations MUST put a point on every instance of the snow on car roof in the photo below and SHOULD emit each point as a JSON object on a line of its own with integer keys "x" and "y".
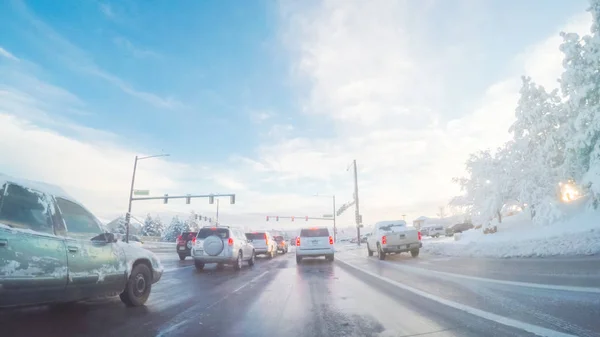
{"x": 38, "y": 186}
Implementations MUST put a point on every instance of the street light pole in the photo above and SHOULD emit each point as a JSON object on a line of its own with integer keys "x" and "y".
{"x": 217, "y": 212}
{"x": 128, "y": 215}
{"x": 357, "y": 211}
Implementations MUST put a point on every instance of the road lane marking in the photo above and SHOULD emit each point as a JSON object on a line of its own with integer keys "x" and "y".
{"x": 447, "y": 275}
{"x": 531, "y": 328}
{"x": 236, "y": 290}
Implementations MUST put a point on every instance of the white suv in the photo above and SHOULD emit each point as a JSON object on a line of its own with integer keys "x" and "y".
{"x": 222, "y": 245}
{"x": 314, "y": 242}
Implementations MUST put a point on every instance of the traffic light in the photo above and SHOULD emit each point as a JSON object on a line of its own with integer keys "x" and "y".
{"x": 188, "y": 199}
{"x": 292, "y": 218}
{"x": 196, "y": 216}
{"x": 267, "y": 218}
{"x": 205, "y": 218}
{"x": 211, "y": 199}
{"x": 210, "y": 220}
{"x": 306, "y": 219}
{"x": 166, "y": 200}
{"x": 232, "y": 200}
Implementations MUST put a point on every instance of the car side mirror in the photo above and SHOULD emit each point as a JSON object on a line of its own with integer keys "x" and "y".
{"x": 105, "y": 237}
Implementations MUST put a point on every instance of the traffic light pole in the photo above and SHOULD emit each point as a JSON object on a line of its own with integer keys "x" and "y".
{"x": 356, "y": 210}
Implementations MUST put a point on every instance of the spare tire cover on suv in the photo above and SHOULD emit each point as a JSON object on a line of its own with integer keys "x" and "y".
{"x": 213, "y": 245}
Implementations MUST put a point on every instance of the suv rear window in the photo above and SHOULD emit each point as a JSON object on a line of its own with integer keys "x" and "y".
{"x": 190, "y": 235}
{"x": 223, "y": 233}
{"x": 278, "y": 238}
{"x": 314, "y": 233}
{"x": 255, "y": 236}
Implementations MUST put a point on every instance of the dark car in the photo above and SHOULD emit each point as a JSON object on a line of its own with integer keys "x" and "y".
{"x": 185, "y": 242}
{"x": 458, "y": 228}
{"x": 282, "y": 245}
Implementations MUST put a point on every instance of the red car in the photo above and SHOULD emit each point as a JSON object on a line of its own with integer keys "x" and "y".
{"x": 185, "y": 241}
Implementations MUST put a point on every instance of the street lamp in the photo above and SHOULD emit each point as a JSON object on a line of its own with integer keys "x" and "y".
{"x": 334, "y": 227}
{"x": 128, "y": 215}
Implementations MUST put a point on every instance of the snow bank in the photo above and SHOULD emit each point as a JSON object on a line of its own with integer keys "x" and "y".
{"x": 517, "y": 236}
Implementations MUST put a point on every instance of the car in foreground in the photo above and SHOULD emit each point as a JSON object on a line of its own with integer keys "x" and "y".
{"x": 394, "y": 237}
{"x": 314, "y": 242}
{"x": 282, "y": 245}
{"x": 53, "y": 250}
{"x": 185, "y": 241}
{"x": 264, "y": 243}
{"x": 222, "y": 245}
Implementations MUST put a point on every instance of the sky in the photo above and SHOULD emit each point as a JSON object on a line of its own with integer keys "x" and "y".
{"x": 270, "y": 100}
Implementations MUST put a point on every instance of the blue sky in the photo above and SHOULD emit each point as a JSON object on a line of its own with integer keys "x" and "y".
{"x": 269, "y": 98}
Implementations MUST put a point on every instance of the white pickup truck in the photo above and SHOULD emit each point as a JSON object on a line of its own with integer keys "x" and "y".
{"x": 394, "y": 237}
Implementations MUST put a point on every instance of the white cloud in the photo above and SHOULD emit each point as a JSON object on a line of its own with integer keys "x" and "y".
{"x": 133, "y": 49}
{"x": 8, "y": 55}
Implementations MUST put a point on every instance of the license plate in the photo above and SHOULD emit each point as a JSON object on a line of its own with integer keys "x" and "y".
{"x": 181, "y": 248}
{"x": 402, "y": 247}
{"x": 314, "y": 242}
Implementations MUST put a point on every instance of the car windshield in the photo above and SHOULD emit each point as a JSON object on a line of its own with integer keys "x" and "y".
{"x": 314, "y": 232}
{"x": 223, "y": 233}
{"x": 255, "y": 236}
{"x": 393, "y": 226}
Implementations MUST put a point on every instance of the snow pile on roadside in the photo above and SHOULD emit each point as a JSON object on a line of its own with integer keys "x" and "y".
{"x": 517, "y": 236}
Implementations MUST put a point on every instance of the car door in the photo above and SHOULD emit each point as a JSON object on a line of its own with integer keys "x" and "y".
{"x": 33, "y": 260}
{"x": 248, "y": 248}
{"x": 96, "y": 267}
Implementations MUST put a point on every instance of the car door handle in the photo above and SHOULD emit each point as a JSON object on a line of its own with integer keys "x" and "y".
{"x": 3, "y": 243}
{"x": 72, "y": 249}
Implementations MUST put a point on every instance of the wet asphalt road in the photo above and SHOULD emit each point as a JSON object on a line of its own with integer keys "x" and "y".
{"x": 354, "y": 296}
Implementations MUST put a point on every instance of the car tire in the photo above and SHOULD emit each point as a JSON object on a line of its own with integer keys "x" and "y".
{"x": 380, "y": 252}
{"x": 414, "y": 252}
{"x": 298, "y": 259}
{"x": 369, "y": 250}
{"x": 138, "y": 287}
{"x": 252, "y": 259}
{"x": 237, "y": 266}
{"x": 182, "y": 257}
{"x": 199, "y": 265}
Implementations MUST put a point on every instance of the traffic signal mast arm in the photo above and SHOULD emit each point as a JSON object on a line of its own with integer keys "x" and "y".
{"x": 306, "y": 218}
{"x": 210, "y": 196}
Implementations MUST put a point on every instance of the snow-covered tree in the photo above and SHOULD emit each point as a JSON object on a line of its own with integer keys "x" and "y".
{"x": 193, "y": 221}
{"x": 117, "y": 226}
{"x": 175, "y": 229}
{"x": 152, "y": 226}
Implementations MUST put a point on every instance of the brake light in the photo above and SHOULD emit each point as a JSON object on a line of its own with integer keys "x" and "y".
{"x": 194, "y": 240}
{"x": 330, "y": 240}
{"x": 230, "y": 241}
{"x": 266, "y": 239}
{"x": 419, "y": 233}
{"x": 298, "y": 241}
{"x": 179, "y": 239}
{"x": 384, "y": 240}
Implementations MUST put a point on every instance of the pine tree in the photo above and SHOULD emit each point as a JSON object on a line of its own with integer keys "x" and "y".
{"x": 175, "y": 229}
{"x": 151, "y": 226}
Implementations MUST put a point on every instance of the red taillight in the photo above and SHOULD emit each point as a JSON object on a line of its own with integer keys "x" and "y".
{"x": 384, "y": 240}
{"x": 298, "y": 241}
{"x": 194, "y": 240}
{"x": 419, "y": 236}
{"x": 179, "y": 239}
{"x": 330, "y": 240}
{"x": 230, "y": 241}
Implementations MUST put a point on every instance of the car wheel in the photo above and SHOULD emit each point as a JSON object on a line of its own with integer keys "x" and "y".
{"x": 369, "y": 250}
{"x": 199, "y": 265}
{"x": 252, "y": 259}
{"x": 138, "y": 286}
{"x": 181, "y": 257}
{"x": 380, "y": 252}
{"x": 238, "y": 262}
{"x": 414, "y": 252}
{"x": 298, "y": 259}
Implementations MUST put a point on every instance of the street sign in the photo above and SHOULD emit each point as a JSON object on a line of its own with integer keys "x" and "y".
{"x": 327, "y": 216}
{"x": 141, "y": 192}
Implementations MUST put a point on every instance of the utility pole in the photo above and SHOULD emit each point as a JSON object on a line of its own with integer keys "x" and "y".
{"x": 334, "y": 228}
{"x": 217, "y": 212}
{"x": 357, "y": 210}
